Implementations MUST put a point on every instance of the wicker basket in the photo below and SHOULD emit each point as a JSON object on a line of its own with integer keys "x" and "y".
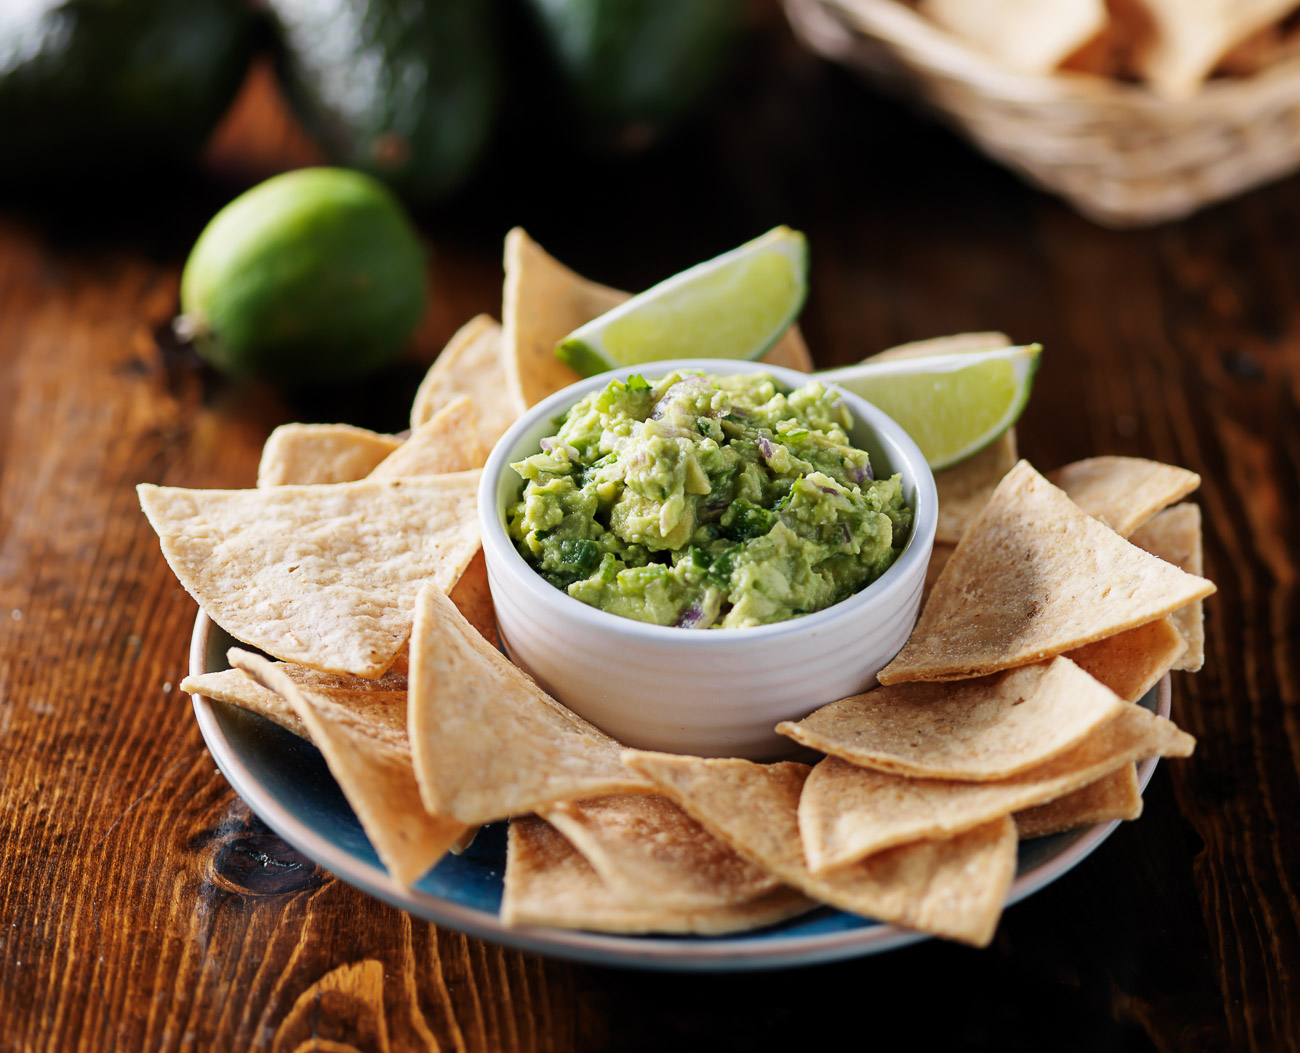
{"x": 1117, "y": 153}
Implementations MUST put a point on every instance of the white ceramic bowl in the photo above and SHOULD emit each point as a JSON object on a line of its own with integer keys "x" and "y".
{"x": 712, "y": 692}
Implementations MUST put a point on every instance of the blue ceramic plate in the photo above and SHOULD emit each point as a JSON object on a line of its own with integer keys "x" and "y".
{"x": 286, "y": 782}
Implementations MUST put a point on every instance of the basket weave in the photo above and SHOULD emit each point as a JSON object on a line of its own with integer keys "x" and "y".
{"x": 1117, "y": 153}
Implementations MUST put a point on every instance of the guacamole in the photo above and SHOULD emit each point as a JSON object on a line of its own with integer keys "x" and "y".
{"x": 707, "y": 502}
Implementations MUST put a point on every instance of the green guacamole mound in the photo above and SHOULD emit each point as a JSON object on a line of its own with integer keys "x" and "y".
{"x": 707, "y": 502}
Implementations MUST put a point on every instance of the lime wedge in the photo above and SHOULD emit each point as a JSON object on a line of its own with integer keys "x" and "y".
{"x": 952, "y": 405}
{"x": 734, "y": 306}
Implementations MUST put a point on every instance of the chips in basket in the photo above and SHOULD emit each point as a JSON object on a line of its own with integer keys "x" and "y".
{"x": 1174, "y": 46}
{"x": 1009, "y": 714}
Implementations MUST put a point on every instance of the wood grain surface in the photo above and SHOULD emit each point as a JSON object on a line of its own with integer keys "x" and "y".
{"x": 142, "y": 906}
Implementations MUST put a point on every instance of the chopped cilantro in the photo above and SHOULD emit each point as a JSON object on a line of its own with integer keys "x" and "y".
{"x": 722, "y": 565}
{"x": 748, "y": 520}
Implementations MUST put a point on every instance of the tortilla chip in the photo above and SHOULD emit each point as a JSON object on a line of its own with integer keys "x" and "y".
{"x": 545, "y": 301}
{"x": 1187, "y": 38}
{"x": 1113, "y": 796}
{"x": 1123, "y": 492}
{"x": 1266, "y": 47}
{"x": 953, "y": 888}
{"x": 447, "y": 442}
{"x": 371, "y": 761}
{"x": 965, "y": 488}
{"x": 1035, "y": 576}
{"x": 472, "y": 596}
{"x": 488, "y": 742}
{"x": 325, "y": 576}
{"x": 649, "y": 853}
{"x": 465, "y": 840}
{"x": 974, "y": 730}
{"x": 471, "y": 364}
{"x": 548, "y": 882}
{"x": 1130, "y": 663}
{"x": 1025, "y": 35}
{"x": 958, "y": 343}
{"x": 371, "y": 700}
{"x": 790, "y": 351}
{"x": 1175, "y": 536}
{"x": 301, "y": 454}
{"x": 939, "y": 556}
{"x": 848, "y": 813}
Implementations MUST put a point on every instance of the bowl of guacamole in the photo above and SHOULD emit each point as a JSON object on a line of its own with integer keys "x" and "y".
{"x": 707, "y": 501}
{"x": 689, "y": 553}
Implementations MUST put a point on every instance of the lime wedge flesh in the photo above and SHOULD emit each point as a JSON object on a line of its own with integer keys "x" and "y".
{"x": 951, "y": 405}
{"x": 734, "y": 306}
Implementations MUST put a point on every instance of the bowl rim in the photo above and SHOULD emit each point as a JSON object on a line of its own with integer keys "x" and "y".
{"x": 893, "y": 587}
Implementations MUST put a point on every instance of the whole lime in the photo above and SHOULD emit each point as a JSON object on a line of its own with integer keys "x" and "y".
{"x": 313, "y": 276}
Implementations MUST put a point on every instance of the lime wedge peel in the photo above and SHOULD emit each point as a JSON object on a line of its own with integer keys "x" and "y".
{"x": 951, "y": 405}
{"x": 734, "y": 306}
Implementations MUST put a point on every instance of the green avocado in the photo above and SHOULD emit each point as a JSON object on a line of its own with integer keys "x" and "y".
{"x": 632, "y": 67}
{"x": 99, "y": 84}
{"x": 313, "y": 276}
{"x": 405, "y": 91}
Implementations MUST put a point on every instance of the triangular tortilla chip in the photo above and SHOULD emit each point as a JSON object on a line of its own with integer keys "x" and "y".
{"x": 1186, "y": 38}
{"x": 957, "y": 343}
{"x": 472, "y": 596}
{"x": 1113, "y": 796}
{"x": 847, "y": 813}
{"x": 447, "y": 442}
{"x": 488, "y": 742}
{"x": 302, "y": 454}
{"x": 471, "y": 364}
{"x": 1175, "y": 536}
{"x": 1025, "y": 35}
{"x": 965, "y": 488}
{"x": 973, "y": 730}
{"x": 325, "y": 576}
{"x": 371, "y": 761}
{"x": 650, "y": 853}
{"x": 1035, "y": 576}
{"x": 953, "y": 888}
{"x": 371, "y": 700}
{"x": 548, "y": 882}
{"x": 1123, "y": 492}
{"x": 1130, "y": 663}
{"x": 545, "y": 301}
{"x": 939, "y": 556}
{"x": 790, "y": 351}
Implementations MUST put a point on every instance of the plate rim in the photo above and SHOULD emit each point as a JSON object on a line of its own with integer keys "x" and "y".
{"x": 636, "y": 952}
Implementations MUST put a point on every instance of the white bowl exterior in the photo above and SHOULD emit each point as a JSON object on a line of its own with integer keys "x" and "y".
{"x": 704, "y": 692}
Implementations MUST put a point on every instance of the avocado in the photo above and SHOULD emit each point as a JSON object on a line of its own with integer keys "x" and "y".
{"x": 405, "y": 91}
{"x": 631, "y": 68}
{"x": 313, "y": 276}
{"x": 114, "y": 84}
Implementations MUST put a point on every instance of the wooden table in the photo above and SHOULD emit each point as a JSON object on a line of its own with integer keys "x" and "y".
{"x": 143, "y": 907}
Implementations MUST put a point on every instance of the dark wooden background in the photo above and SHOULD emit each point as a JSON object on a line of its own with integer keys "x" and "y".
{"x": 143, "y": 907}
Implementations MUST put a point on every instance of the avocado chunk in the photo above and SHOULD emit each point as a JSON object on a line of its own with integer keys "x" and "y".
{"x": 310, "y": 277}
{"x": 404, "y": 91}
{"x": 120, "y": 84}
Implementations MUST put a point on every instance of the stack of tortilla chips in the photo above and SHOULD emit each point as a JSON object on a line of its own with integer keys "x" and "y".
{"x": 1174, "y": 46}
{"x": 355, "y": 566}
